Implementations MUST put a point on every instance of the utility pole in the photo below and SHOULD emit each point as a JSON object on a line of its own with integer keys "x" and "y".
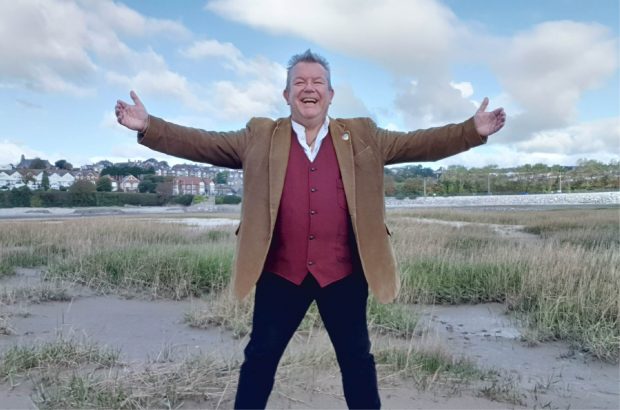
{"x": 560, "y": 182}
{"x": 424, "y": 186}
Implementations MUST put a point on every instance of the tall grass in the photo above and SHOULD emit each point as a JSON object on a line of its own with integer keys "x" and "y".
{"x": 565, "y": 283}
{"x": 160, "y": 259}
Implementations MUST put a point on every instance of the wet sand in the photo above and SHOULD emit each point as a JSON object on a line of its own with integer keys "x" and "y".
{"x": 143, "y": 330}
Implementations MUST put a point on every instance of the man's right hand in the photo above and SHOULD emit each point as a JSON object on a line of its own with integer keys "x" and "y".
{"x": 135, "y": 117}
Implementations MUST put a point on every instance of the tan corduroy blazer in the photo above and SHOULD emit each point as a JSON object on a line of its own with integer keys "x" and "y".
{"x": 262, "y": 149}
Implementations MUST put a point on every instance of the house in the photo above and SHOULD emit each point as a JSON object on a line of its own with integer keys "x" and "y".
{"x": 61, "y": 179}
{"x": 188, "y": 185}
{"x": 11, "y": 179}
{"x": 129, "y": 184}
{"x": 27, "y": 163}
{"x": 90, "y": 176}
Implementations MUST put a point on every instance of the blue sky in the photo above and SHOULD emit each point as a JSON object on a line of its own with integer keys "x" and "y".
{"x": 408, "y": 64}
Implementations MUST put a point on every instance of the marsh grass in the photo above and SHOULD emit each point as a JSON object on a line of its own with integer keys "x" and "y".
{"x": 162, "y": 260}
{"x": 45, "y": 291}
{"x": 427, "y": 365}
{"x": 5, "y": 323}
{"x": 564, "y": 285}
{"x": 20, "y": 360}
{"x": 236, "y": 316}
{"x": 194, "y": 380}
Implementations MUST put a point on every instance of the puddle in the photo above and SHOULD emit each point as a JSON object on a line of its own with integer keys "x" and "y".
{"x": 140, "y": 329}
{"x": 552, "y": 371}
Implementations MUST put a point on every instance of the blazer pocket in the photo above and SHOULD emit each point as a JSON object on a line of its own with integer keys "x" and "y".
{"x": 238, "y": 228}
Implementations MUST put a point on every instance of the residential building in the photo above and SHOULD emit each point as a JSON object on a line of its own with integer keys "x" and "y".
{"x": 129, "y": 184}
{"x": 188, "y": 185}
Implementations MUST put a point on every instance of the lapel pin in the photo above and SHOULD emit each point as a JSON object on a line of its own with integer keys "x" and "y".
{"x": 345, "y": 136}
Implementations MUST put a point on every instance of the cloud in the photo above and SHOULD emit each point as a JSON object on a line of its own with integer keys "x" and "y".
{"x": 54, "y": 46}
{"x": 346, "y": 104}
{"x": 410, "y": 38}
{"x": 546, "y": 70}
{"x": 358, "y": 27}
{"x": 161, "y": 83}
{"x": 586, "y": 140}
{"x": 11, "y": 152}
{"x": 258, "y": 85}
{"x": 433, "y": 102}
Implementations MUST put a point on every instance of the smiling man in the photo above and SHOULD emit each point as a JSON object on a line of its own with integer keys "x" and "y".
{"x": 312, "y": 218}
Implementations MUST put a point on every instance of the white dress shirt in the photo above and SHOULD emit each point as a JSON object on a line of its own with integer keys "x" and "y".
{"x": 300, "y": 131}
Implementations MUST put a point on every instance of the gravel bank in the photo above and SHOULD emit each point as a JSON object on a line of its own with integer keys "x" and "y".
{"x": 593, "y": 198}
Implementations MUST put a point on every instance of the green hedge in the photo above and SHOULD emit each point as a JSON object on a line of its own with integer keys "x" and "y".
{"x": 26, "y": 198}
{"x": 227, "y": 200}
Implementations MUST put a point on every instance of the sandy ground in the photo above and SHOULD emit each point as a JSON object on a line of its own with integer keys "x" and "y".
{"x": 550, "y": 375}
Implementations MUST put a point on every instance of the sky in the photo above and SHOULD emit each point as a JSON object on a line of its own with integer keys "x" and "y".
{"x": 408, "y": 64}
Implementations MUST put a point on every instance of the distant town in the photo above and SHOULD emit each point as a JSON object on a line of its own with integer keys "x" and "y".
{"x": 150, "y": 176}
{"x": 157, "y": 177}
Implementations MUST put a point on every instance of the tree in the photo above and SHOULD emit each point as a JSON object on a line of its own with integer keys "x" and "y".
{"x": 45, "y": 181}
{"x": 20, "y": 197}
{"x": 104, "y": 184}
{"x": 83, "y": 193}
{"x": 82, "y": 186}
{"x": 63, "y": 164}
{"x": 147, "y": 186}
{"x": 38, "y": 163}
{"x": 221, "y": 177}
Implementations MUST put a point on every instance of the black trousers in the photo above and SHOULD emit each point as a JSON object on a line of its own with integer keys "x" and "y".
{"x": 279, "y": 308}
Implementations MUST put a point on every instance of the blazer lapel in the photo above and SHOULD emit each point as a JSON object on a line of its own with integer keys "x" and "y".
{"x": 278, "y": 160}
{"x": 341, "y": 138}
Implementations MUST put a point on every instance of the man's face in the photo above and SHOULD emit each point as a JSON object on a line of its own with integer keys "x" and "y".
{"x": 308, "y": 94}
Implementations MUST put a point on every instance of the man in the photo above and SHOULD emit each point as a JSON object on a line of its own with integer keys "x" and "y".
{"x": 312, "y": 220}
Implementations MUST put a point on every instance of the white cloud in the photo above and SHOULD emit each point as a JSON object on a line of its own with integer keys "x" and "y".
{"x": 433, "y": 102}
{"x": 586, "y": 140}
{"x": 161, "y": 83}
{"x": 412, "y": 38}
{"x": 257, "y": 89}
{"x": 11, "y": 152}
{"x": 547, "y": 69}
{"x": 212, "y": 48}
{"x": 465, "y": 87}
{"x": 393, "y": 32}
{"x": 55, "y": 46}
{"x": 346, "y": 104}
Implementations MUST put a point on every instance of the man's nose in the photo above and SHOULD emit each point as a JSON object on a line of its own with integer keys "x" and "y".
{"x": 308, "y": 87}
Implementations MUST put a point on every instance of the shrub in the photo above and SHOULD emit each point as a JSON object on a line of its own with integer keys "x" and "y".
{"x": 227, "y": 200}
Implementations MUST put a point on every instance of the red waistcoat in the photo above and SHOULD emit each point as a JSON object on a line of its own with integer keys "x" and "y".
{"x": 313, "y": 230}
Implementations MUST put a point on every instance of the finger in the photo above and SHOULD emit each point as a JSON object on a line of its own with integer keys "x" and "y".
{"x": 484, "y": 105}
{"x": 135, "y": 98}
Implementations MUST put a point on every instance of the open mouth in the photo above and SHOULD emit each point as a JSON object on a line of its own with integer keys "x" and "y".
{"x": 309, "y": 101}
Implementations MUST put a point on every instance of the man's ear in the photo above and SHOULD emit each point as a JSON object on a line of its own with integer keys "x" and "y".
{"x": 285, "y": 95}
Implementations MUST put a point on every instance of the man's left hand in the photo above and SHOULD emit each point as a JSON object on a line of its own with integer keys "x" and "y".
{"x": 488, "y": 123}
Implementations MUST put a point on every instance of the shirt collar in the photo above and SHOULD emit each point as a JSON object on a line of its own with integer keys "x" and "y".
{"x": 300, "y": 132}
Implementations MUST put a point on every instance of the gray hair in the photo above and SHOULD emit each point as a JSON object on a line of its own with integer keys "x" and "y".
{"x": 307, "y": 57}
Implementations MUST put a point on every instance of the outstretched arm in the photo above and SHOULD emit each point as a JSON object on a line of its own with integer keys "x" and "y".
{"x": 135, "y": 117}
{"x": 488, "y": 123}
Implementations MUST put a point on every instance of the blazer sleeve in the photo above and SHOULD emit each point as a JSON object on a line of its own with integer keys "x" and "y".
{"x": 425, "y": 145}
{"x": 224, "y": 149}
